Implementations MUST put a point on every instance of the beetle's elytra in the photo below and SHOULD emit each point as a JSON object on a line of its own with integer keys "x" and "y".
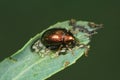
{"x": 56, "y": 38}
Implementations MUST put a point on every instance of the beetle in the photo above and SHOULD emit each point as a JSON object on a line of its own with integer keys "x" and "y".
{"x": 57, "y": 39}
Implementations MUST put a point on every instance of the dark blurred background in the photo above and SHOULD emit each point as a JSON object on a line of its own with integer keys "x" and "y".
{"x": 22, "y": 19}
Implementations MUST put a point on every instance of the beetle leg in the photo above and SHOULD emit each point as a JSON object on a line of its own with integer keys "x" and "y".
{"x": 70, "y": 49}
{"x": 58, "y": 51}
{"x": 81, "y": 45}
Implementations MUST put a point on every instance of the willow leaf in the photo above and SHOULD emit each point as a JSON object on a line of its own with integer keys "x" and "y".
{"x": 28, "y": 65}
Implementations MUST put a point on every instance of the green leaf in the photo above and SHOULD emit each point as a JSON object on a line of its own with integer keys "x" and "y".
{"x": 26, "y": 64}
